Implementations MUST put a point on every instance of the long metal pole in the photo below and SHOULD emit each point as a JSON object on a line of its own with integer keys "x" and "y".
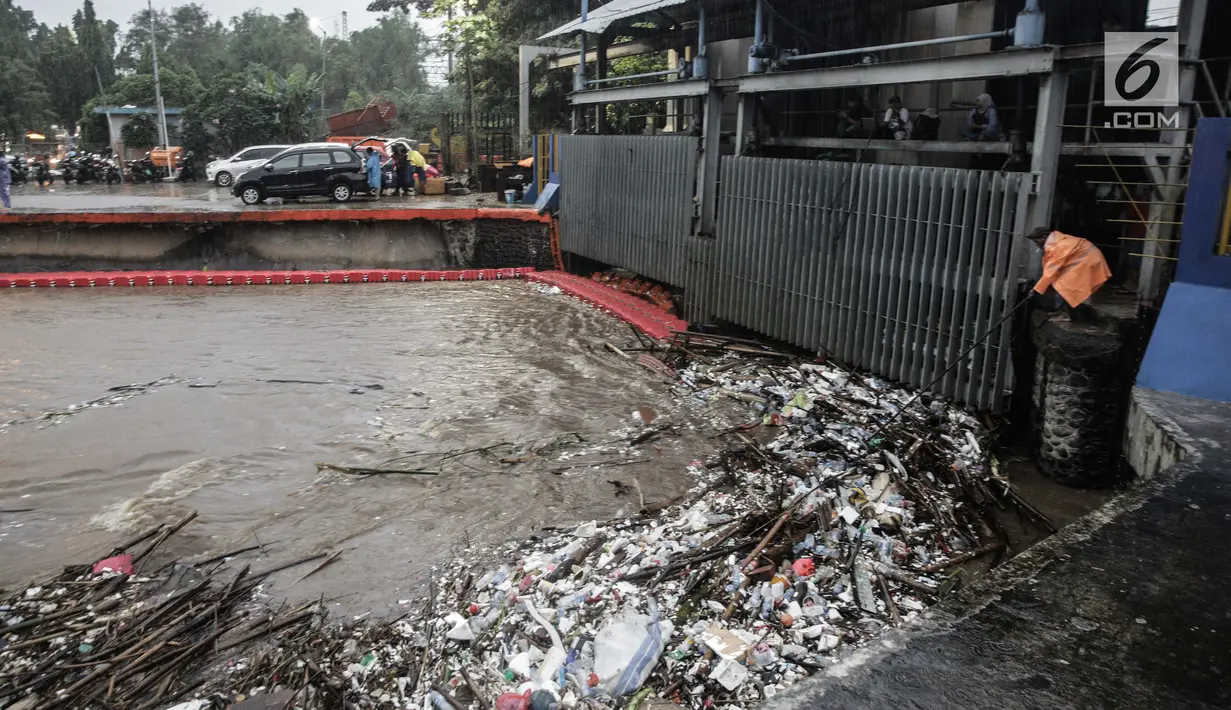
{"x": 162, "y": 110}
{"x": 323, "y": 113}
{"x": 901, "y": 45}
{"x": 758, "y": 38}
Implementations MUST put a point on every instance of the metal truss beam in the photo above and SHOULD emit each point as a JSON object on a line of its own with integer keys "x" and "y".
{"x": 1017, "y": 62}
{"x": 661, "y": 43}
{"x": 647, "y": 92}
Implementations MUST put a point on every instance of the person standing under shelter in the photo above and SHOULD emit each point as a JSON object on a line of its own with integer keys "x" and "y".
{"x": 1072, "y": 266}
{"x": 6, "y": 180}
{"x": 372, "y": 166}
{"x": 418, "y": 167}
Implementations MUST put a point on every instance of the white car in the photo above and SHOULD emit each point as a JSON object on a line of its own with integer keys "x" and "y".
{"x": 223, "y": 172}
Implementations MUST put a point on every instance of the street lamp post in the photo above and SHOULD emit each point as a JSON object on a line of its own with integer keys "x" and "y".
{"x": 316, "y": 25}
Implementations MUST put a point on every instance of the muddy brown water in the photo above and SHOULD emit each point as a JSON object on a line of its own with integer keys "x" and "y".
{"x": 459, "y": 366}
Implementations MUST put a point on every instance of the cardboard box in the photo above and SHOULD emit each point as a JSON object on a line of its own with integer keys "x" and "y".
{"x": 434, "y": 186}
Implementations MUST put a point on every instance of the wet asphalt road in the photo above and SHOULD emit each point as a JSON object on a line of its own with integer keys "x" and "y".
{"x": 204, "y": 197}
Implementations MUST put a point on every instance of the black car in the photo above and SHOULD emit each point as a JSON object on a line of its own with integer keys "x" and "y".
{"x": 329, "y": 169}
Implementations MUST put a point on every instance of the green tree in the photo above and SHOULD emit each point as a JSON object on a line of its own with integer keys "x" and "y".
{"x": 239, "y": 109}
{"x": 632, "y": 117}
{"x": 59, "y": 69}
{"x": 484, "y": 36}
{"x": 141, "y": 131}
{"x": 354, "y": 100}
{"x": 97, "y": 41}
{"x": 24, "y": 104}
{"x": 293, "y": 95}
{"x": 275, "y": 43}
{"x": 195, "y": 136}
{"x": 187, "y": 38}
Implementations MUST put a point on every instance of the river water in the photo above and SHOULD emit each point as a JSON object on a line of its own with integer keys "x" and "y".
{"x": 457, "y": 365}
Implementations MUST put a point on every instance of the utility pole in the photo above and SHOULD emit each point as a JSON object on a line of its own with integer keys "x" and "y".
{"x": 162, "y": 110}
{"x": 324, "y": 35}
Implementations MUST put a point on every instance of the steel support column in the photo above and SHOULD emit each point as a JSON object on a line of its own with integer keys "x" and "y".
{"x": 600, "y": 70}
{"x": 526, "y": 54}
{"x": 1045, "y": 153}
{"x": 1191, "y": 26}
{"x": 707, "y": 175}
{"x": 746, "y": 123}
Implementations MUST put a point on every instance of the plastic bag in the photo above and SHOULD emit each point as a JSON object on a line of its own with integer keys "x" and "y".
{"x": 513, "y": 701}
{"x": 626, "y": 651}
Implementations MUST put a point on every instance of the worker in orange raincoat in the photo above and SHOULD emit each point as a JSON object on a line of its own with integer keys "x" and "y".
{"x": 1071, "y": 265}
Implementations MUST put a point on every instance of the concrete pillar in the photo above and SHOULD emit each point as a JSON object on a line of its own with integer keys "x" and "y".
{"x": 707, "y": 175}
{"x": 600, "y": 70}
{"x": 1045, "y": 158}
{"x": 526, "y": 54}
{"x": 745, "y": 122}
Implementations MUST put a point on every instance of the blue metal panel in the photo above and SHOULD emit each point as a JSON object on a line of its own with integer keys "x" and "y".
{"x": 1188, "y": 351}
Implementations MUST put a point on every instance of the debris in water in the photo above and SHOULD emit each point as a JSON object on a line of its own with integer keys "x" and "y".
{"x": 791, "y": 552}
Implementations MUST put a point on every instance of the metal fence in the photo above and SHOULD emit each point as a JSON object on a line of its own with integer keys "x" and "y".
{"x": 895, "y": 269}
{"x": 630, "y": 201}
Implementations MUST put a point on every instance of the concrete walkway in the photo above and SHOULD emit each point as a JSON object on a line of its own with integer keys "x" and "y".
{"x": 1127, "y": 608}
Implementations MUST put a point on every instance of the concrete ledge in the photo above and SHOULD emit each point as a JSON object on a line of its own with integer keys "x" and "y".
{"x": 1152, "y": 442}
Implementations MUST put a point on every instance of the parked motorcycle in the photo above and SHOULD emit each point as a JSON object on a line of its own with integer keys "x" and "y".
{"x": 42, "y": 173}
{"x": 143, "y": 170}
{"x": 18, "y": 171}
{"x": 70, "y": 168}
{"x": 87, "y": 170}
{"x": 110, "y": 172}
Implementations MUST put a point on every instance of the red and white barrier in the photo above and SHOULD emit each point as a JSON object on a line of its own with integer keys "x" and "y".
{"x": 99, "y": 279}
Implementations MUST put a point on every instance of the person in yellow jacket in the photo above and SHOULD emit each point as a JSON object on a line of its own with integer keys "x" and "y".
{"x": 1073, "y": 266}
{"x": 418, "y": 169}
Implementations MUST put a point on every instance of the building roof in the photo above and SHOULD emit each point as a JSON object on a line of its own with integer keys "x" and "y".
{"x": 599, "y": 19}
{"x": 131, "y": 110}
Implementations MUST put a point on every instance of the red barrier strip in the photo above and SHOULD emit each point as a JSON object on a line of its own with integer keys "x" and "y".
{"x": 249, "y": 278}
{"x": 642, "y": 315}
{"x": 274, "y": 215}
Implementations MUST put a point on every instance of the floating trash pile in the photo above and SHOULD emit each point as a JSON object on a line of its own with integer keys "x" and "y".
{"x": 837, "y": 511}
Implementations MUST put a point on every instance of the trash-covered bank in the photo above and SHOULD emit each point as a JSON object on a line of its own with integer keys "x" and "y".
{"x": 835, "y": 512}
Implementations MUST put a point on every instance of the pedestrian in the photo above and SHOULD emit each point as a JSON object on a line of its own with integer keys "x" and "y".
{"x": 897, "y": 120}
{"x": 373, "y": 168}
{"x": 401, "y": 171}
{"x": 418, "y": 166}
{"x": 983, "y": 123}
{"x": 850, "y": 121}
{"x": 189, "y": 170}
{"x": 6, "y": 179}
{"x": 1072, "y": 266}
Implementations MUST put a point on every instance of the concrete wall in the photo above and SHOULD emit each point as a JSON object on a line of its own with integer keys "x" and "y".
{"x": 411, "y": 244}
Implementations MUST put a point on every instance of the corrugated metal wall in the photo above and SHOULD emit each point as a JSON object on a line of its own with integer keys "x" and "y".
{"x": 895, "y": 269}
{"x": 631, "y": 201}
